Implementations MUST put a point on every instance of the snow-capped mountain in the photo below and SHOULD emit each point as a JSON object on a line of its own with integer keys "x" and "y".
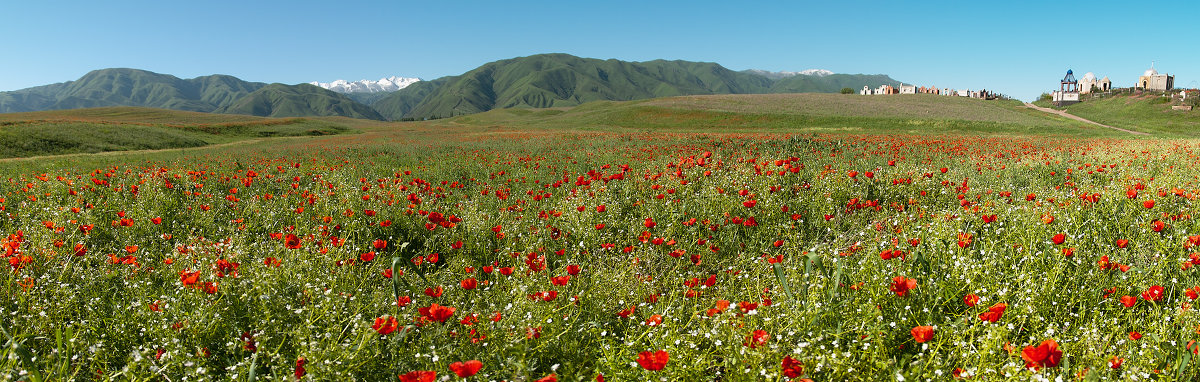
{"x": 778, "y": 75}
{"x": 389, "y": 84}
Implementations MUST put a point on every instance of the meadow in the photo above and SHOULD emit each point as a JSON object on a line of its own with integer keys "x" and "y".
{"x": 577, "y": 244}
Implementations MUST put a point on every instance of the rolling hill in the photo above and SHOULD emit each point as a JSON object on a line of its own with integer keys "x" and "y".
{"x": 555, "y": 80}
{"x": 303, "y": 100}
{"x": 215, "y": 93}
{"x": 1148, "y": 113}
{"x": 539, "y": 81}
{"x": 103, "y": 129}
{"x": 920, "y": 114}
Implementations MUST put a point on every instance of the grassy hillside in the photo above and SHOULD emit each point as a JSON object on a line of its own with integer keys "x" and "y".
{"x": 558, "y": 80}
{"x": 131, "y": 128}
{"x": 1149, "y": 113}
{"x": 215, "y": 93}
{"x": 279, "y": 100}
{"x": 909, "y": 114}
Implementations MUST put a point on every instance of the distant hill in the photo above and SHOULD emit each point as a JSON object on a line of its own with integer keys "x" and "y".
{"x": 539, "y": 81}
{"x": 279, "y": 100}
{"x": 553, "y": 80}
{"x": 215, "y": 93}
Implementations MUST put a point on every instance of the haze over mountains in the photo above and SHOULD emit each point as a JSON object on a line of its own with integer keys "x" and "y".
{"x": 546, "y": 80}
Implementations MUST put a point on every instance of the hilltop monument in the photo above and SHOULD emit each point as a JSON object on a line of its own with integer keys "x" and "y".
{"x": 1068, "y": 90}
{"x": 1153, "y": 81}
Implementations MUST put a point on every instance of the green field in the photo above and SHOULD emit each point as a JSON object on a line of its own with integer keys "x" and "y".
{"x": 713, "y": 238}
{"x": 797, "y": 113}
{"x": 1149, "y": 113}
{"x": 131, "y": 128}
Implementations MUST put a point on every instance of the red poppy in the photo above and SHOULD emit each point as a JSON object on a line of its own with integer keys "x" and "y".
{"x": 653, "y": 361}
{"x": 1115, "y": 362}
{"x": 1148, "y": 204}
{"x": 466, "y": 369}
{"x": 436, "y": 312}
{"x": 994, "y": 313}
{"x": 385, "y": 325}
{"x": 1154, "y": 293}
{"x": 1122, "y": 243}
{"x": 548, "y": 378}
{"x": 756, "y": 338}
{"x": 291, "y": 241}
{"x": 469, "y": 284}
{"x": 419, "y": 376}
{"x": 434, "y": 291}
{"x": 971, "y": 299}
{"x": 1059, "y": 238}
{"x": 379, "y": 244}
{"x": 1128, "y": 301}
{"x": 1044, "y": 355}
{"x": 791, "y": 367}
{"x": 901, "y": 285}
{"x": 922, "y": 334}
{"x": 300, "y": 372}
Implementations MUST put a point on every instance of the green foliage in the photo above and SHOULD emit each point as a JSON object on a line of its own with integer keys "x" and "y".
{"x": 847, "y": 91}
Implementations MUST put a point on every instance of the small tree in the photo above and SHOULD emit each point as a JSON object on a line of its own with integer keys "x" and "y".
{"x": 847, "y": 91}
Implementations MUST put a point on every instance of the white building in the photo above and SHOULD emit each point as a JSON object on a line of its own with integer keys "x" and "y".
{"x": 1153, "y": 81}
{"x": 1089, "y": 82}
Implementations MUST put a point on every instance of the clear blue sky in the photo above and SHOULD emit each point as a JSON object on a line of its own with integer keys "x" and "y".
{"x": 1015, "y": 47}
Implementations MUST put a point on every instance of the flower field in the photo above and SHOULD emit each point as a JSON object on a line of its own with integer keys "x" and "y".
{"x": 535, "y": 256}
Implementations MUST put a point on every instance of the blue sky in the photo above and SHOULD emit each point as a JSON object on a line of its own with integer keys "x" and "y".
{"x": 1014, "y": 47}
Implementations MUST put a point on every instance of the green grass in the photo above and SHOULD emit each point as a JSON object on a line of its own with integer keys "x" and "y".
{"x": 802, "y": 113}
{"x": 1146, "y": 113}
{"x": 131, "y": 128}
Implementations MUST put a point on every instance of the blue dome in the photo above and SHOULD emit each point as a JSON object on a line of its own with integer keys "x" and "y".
{"x": 1069, "y": 71}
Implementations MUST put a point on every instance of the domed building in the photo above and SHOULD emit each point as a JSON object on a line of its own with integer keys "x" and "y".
{"x": 1089, "y": 82}
{"x": 1153, "y": 81}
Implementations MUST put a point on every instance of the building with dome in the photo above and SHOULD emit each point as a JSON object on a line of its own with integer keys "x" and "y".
{"x": 1153, "y": 81}
{"x": 1089, "y": 82}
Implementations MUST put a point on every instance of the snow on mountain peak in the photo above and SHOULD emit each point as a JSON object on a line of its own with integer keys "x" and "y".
{"x": 389, "y": 84}
{"x": 778, "y": 75}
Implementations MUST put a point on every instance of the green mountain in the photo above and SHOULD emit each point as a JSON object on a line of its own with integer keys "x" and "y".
{"x": 279, "y": 100}
{"x": 553, "y": 80}
{"x": 215, "y": 93}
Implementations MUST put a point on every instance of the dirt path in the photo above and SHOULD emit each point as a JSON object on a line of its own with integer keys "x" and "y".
{"x": 1080, "y": 119}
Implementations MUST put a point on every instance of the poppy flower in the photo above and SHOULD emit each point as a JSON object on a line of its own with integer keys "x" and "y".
{"x": 419, "y": 376}
{"x": 300, "y": 372}
{"x": 379, "y": 244}
{"x": 901, "y": 285}
{"x": 1045, "y": 354}
{"x": 291, "y": 241}
{"x": 922, "y": 334}
{"x": 466, "y": 369}
{"x": 1135, "y": 336}
{"x": 756, "y": 338}
{"x": 1154, "y": 293}
{"x": 994, "y": 313}
{"x": 1115, "y": 362}
{"x": 653, "y": 361}
{"x": 1128, "y": 301}
{"x": 791, "y": 367}
{"x": 1122, "y": 243}
{"x": 1059, "y": 238}
{"x": 434, "y": 291}
{"x": 469, "y": 284}
{"x": 385, "y": 325}
{"x": 548, "y": 378}
{"x": 436, "y": 312}
{"x": 970, "y": 300}
{"x": 1148, "y": 204}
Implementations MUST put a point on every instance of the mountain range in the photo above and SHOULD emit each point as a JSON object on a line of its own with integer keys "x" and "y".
{"x": 389, "y": 84}
{"x": 546, "y": 80}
